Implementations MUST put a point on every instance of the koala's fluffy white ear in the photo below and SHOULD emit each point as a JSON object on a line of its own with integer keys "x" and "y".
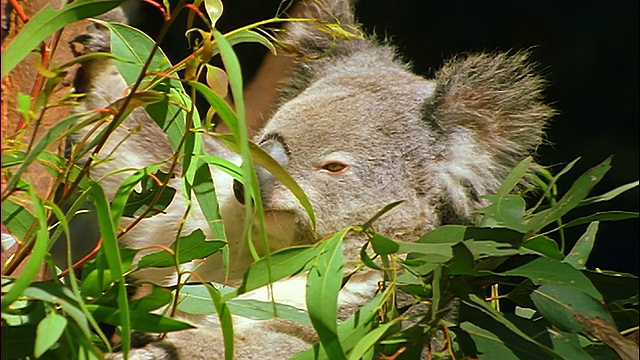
{"x": 489, "y": 110}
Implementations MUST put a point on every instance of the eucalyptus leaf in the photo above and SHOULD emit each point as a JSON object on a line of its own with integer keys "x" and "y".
{"x": 545, "y": 246}
{"x": 572, "y": 198}
{"x": 46, "y": 22}
{"x": 49, "y": 331}
{"x": 504, "y": 211}
{"x": 140, "y": 320}
{"x": 260, "y": 310}
{"x": 324, "y": 282}
{"x": 286, "y": 262}
{"x": 569, "y": 308}
{"x": 187, "y": 248}
{"x": 549, "y": 271}
{"x": 580, "y": 252}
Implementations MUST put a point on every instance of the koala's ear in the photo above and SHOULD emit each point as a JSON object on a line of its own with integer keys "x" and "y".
{"x": 328, "y": 33}
{"x": 332, "y": 32}
{"x": 489, "y": 109}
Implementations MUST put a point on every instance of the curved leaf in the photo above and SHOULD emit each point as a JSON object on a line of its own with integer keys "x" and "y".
{"x": 323, "y": 284}
{"x": 49, "y": 331}
{"x": 46, "y": 22}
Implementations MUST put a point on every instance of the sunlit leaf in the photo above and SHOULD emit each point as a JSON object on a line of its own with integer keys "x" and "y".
{"x": 217, "y": 80}
{"x": 49, "y": 331}
{"x": 214, "y": 10}
{"x": 323, "y": 282}
{"x": 286, "y": 262}
{"x": 369, "y": 341}
{"x": 46, "y": 22}
{"x": 140, "y": 320}
{"x": 190, "y": 247}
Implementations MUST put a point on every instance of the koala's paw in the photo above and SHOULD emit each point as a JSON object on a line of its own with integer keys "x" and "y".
{"x": 92, "y": 42}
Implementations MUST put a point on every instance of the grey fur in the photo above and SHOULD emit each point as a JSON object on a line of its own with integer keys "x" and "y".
{"x": 436, "y": 144}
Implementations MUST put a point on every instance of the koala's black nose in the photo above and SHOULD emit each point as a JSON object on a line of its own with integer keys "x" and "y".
{"x": 238, "y": 191}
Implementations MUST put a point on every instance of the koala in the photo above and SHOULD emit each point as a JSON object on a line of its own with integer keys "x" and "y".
{"x": 357, "y": 130}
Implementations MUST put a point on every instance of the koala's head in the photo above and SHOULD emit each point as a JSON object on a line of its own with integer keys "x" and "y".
{"x": 358, "y": 131}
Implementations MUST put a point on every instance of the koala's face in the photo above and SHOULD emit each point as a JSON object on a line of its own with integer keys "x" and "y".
{"x": 348, "y": 140}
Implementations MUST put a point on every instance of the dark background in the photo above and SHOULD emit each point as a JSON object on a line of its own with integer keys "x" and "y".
{"x": 587, "y": 50}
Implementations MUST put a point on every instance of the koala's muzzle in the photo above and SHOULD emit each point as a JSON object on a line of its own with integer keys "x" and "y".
{"x": 275, "y": 147}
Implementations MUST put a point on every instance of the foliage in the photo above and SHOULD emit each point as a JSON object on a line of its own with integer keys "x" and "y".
{"x": 502, "y": 288}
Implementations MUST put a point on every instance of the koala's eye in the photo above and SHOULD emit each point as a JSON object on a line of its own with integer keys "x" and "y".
{"x": 334, "y": 167}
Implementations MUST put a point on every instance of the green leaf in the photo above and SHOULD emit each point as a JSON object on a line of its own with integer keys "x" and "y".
{"x": 53, "y": 135}
{"x": 12, "y": 158}
{"x": 599, "y": 216}
{"x": 504, "y": 211}
{"x": 462, "y": 262}
{"x": 351, "y": 330}
{"x": 515, "y": 176}
{"x": 226, "y": 321}
{"x": 222, "y": 108}
{"x": 214, "y": 10}
{"x": 207, "y": 299}
{"x": 250, "y": 36}
{"x": 49, "y": 331}
{"x": 548, "y": 271}
{"x": 119, "y": 202}
{"x": 157, "y": 298}
{"x": 138, "y": 202}
{"x": 16, "y": 218}
{"x": 504, "y": 346}
{"x": 203, "y": 187}
{"x": 615, "y": 286}
{"x": 260, "y": 310}
{"x": 544, "y": 245}
{"x": 51, "y": 293}
{"x": 383, "y": 246}
{"x": 112, "y": 253}
{"x": 369, "y": 341}
{"x": 196, "y": 299}
{"x": 284, "y": 263}
{"x": 578, "y": 191}
{"x": 567, "y": 344}
{"x": 580, "y": 252}
{"x": 38, "y": 252}
{"x": 568, "y": 308}
{"x": 609, "y": 195}
{"x": 482, "y": 306}
{"x": 323, "y": 283}
{"x": 134, "y": 47}
{"x": 140, "y": 320}
{"x": 46, "y": 22}
{"x": 448, "y": 234}
{"x": 190, "y": 247}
